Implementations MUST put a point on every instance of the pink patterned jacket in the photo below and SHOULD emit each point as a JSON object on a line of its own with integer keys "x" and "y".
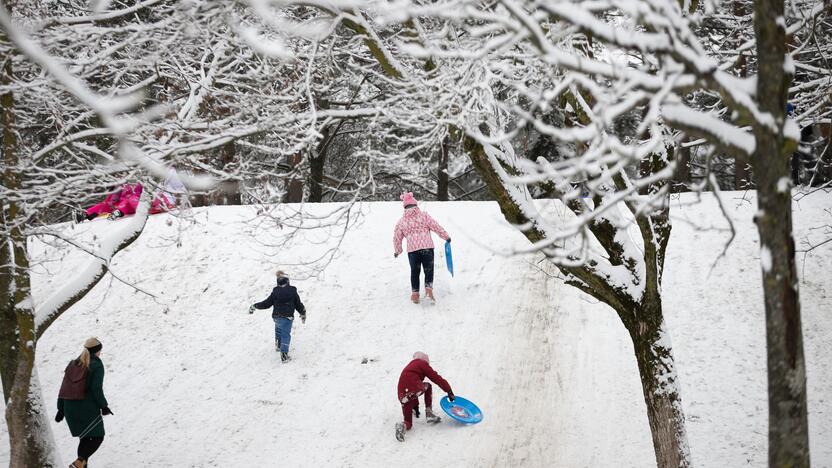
{"x": 415, "y": 226}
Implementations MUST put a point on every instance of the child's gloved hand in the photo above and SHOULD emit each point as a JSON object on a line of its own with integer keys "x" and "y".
{"x": 303, "y": 318}
{"x": 451, "y": 395}
{"x": 251, "y": 309}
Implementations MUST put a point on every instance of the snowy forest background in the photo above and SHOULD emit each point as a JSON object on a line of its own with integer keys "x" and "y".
{"x": 610, "y": 107}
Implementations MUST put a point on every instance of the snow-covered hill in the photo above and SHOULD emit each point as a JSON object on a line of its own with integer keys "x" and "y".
{"x": 194, "y": 380}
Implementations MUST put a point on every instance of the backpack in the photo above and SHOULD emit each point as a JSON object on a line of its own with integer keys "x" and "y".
{"x": 74, "y": 385}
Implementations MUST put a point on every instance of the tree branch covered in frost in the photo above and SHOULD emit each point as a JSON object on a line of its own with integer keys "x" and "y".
{"x": 88, "y": 276}
{"x": 107, "y": 108}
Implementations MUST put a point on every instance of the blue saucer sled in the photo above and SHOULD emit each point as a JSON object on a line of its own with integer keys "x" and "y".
{"x": 461, "y": 409}
{"x": 449, "y": 258}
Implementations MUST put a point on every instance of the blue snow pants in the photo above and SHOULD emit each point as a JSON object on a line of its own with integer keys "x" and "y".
{"x": 283, "y": 332}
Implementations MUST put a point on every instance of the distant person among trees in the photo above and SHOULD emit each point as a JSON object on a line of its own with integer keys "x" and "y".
{"x": 412, "y": 385}
{"x": 284, "y": 301}
{"x": 415, "y": 226}
{"x": 81, "y": 401}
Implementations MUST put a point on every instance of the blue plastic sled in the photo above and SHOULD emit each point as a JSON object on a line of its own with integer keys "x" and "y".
{"x": 464, "y": 411}
{"x": 449, "y": 258}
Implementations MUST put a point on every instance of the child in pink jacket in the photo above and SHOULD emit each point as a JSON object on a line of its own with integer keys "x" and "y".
{"x": 415, "y": 226}
{"x": 119, "y": 203}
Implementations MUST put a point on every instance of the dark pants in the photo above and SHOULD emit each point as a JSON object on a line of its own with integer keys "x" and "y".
{"x": 420, "y": 259}
{"x": 87, "y": 446}
{"x": 413, "y": 402}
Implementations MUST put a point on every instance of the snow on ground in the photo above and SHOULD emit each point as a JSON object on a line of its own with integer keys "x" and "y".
{"x": 194, "y": 380}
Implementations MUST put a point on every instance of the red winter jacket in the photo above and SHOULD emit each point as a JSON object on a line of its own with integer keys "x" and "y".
{"x": 410, "y": 382}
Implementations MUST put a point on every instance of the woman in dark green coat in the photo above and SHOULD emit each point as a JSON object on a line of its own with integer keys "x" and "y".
{"x": 84, "y": 414}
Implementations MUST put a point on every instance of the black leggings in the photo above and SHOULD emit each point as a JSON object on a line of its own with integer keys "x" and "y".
{"x": 420, "y": 258}
{"x": 88, "y": 445}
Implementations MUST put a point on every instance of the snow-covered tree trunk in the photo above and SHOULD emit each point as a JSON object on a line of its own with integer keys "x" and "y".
{"x": 8, "y": 321}
{"x": 788, "y": 423}
{"x": 442, "y": 178}
{"x": 643, "y": 319}
{"x": 659, "y": 384}
{"x": 317, "y": 162}
{"x": 30, "y": 435}
{"x": 294, "y": 183}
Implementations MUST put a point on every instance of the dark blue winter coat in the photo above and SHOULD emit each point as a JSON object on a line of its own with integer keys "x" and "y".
{"x": 284, "y": 300}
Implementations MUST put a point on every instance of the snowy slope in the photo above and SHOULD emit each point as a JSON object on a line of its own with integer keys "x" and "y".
{"x": 194, "y": 380}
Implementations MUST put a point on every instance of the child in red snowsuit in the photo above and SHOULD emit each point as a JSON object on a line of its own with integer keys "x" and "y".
{"x": 412, "y": 385}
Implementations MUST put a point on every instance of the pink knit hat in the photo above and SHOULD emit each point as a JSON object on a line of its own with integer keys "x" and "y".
{"x": 422, "y": 356}
{"x": 407, "y": 198}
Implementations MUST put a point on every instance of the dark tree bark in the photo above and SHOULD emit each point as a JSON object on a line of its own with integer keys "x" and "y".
{"x": 442, "y": 179}
{"x": 8, "y": 321}
{"x": 743, "y": 178}
{"x": 229, "y": 193}
{"x": 682, "y": 178}
{"x": 317, "y": 162}
{"x": 657, "y": 372}
{"x": 294, "y": 183}
{"x": 788, "y": 435}
{"x": 317, "y": 156}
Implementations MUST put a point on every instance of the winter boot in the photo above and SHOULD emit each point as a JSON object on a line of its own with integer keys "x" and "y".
{"x": 414, "y": 297}
{"x": 79, "y": 216}
{"x": 431, "y": 418}
{"x": 429, "y": 294}
{"x": 284, "y": 357}
{"x": 400, "y": 431}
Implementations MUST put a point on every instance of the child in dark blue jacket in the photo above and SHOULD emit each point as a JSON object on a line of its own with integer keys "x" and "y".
{"x": 284, "y": 301}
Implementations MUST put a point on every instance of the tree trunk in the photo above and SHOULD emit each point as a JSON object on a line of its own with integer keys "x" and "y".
{"x": 742, "y": 174}
{"x": 442, "y": 169}
{"x": 294, "y": 183}
{"x": 788, "y": 434}
{"x": 788, "y": 421}
{"x": 660, "y": 386}
{"x": 229, "y": 193}
{"x": 30, "y": 433}
{"x": 8, "y": 320}
{"x": 681, "y": 177}
{"x": 317, "y": 161}
{"x": 30, "y": 436}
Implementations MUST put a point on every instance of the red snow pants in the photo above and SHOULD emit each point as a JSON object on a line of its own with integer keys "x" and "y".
{"x": 411, "y": 401}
